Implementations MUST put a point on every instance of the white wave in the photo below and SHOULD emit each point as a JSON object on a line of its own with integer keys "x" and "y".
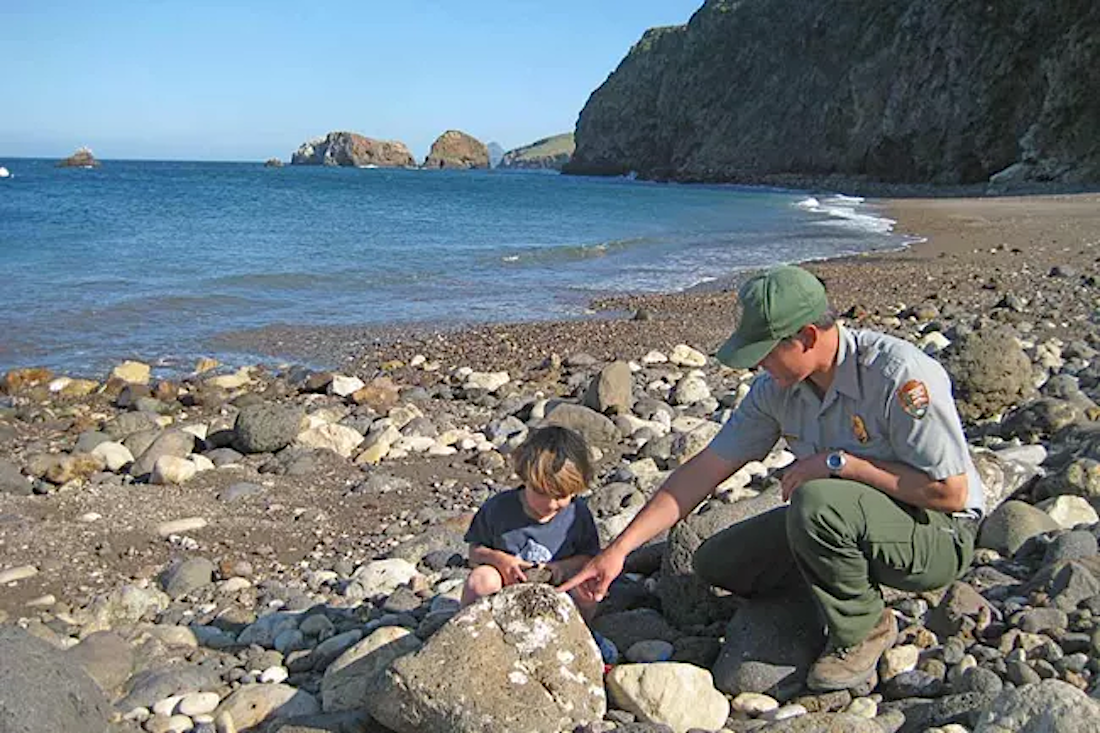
{"x": 510, "y": 258}
{"x": 843, "y": 212}
{"x": 4, "y": 173}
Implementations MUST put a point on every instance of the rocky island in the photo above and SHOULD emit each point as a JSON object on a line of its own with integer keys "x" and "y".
{"x": 549, "y": 153}
{"x": 919, "y": 92}
{"x": 353, "y": 150}
{"x": 82, "y": 158}
{"x": 455, "y": 149}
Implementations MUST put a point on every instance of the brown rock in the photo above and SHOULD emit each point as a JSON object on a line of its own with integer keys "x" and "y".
{"x": 380, "y": 394}
{"x": 17, "y": 380}
{"x": 353, "y": 150}
{"x": 456, "y": 149}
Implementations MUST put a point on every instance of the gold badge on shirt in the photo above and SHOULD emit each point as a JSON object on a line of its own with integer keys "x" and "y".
{"x": 859, "y": 429}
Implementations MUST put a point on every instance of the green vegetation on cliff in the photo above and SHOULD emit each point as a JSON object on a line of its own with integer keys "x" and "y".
{"x": 549, "y": 152}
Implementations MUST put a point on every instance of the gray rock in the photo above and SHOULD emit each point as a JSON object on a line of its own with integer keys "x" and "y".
{"x": 186, "y": 575}
{"x": 1041, "y": 419}
{"x": 981, "y": 680}
{"x": 148, "y": 686}
{"x": 223, "y": 456}
{"x": 825, "y": 723}
{"x": 959, "y": 602}
{"x": 240, "y": 490}
{"x": 770, "y": 645}
{"x": 1080, "y": 477}
{"x": 106, "y": 657}
{"x": 88, "y": 440}
{"x": 1067, "y": 583}
{"x": 610, "y": 390}
{"x": 12, "y": 480}
{"x": 922, "y": 714}
{"x": 266, "y": 428}
{"x": 521, "y": 659}
{"x": 989, "y": 371}
{"x": 912, "y": 683}
{"x": 627, "y": 628}
{"x": 686, "y": 599}
{"x": 1012, "y": 524}
{"x": 595, "y": 428}
{"x": 128, "y": 423}
{"x": 43, "y": 691}
{"x": 1051, "y": 706}
{"x": 1070, "y": 546}
{"x": 170, "y": 443}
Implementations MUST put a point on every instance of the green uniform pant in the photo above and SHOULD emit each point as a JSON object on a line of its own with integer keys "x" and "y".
{"x": 846, "y": 539}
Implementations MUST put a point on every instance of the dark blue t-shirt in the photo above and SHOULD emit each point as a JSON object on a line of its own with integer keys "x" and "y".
{"x": 502, "y": 524}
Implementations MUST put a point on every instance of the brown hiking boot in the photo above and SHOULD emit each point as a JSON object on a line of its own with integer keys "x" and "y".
{"x": 842, "y": 668}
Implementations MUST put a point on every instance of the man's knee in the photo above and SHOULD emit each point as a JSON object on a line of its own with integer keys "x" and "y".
{"x": 808, "y": 503}
{"x": 708, "y": 563}
{"x": 828, "y": 507}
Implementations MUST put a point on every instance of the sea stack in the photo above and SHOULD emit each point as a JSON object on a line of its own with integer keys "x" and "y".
{"x": 82, "y": 158}
{"x": 455, "y": 149}
{"x": 353, "y": 150}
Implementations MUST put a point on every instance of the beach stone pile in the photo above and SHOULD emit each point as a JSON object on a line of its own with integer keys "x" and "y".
{"x": 213, "y": 643}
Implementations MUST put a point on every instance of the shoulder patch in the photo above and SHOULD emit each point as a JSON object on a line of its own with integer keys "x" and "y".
{"x": 913, "y": 396}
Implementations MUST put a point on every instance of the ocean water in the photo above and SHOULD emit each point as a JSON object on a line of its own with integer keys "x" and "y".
{"x": 150, "y": 260}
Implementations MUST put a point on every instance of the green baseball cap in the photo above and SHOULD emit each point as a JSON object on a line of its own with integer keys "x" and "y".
{"x": 775, "y": 305}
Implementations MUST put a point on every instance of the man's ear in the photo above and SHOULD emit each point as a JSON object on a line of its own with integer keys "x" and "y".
{"x": 808, "y": 335}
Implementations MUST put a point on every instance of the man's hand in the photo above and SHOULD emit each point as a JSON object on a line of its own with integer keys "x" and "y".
{"x": 593, "y": 580}
{"x": 803, "y": 470}
{"x": 511, "y": 568}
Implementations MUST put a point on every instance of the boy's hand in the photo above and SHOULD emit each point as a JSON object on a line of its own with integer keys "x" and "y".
{"x": 511, "y": 568}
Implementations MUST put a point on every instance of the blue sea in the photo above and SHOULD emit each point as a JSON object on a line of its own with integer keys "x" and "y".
{"x": 150, "y": 260}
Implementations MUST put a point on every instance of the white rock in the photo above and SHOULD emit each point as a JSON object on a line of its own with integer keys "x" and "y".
{"x": 933, "y": 342}
{"x": 898, "y": 659}
{"x": 199, "y": 703}
{"x": 1069, "y": 511}
{"x": 488, "y": 381}
{"x": 166, "y": 706}
{"x": 414, "y": 443}
{"x": 442, "y": 450}
{"x": 199, "y": 430}
{"x": 753, "y": 703}
{"x": 179, "y": 526}
{"x": 689, "y": 390}
{"x": 202, "y": 463}
{"x": 114, "y": 455}
{"x": 792, "y": 710}
{"x": 21, "y": 572}
{"x": 172, "y": 470}
{"x": 234, "y": 585}
{"x": 417, "y": 360}
{"x": 402, "y": 415}
{"x": 340, "y": 439}
{"x": 91, "y": 517}
{"x": 132, "y": 372}
{"x": 684, "y": 355}
{"x": 273, "y": 675}
{"x": 342, "y": 386}
{"x": 178, "y": 724}
{"x": 681, "y": 696}
{"x": 242, "y": 377}
{"x": 654, "y": 357}
{"x": 382, "y": 577}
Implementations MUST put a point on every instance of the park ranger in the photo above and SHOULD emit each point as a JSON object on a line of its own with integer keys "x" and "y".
{"x": 882, "y": 491}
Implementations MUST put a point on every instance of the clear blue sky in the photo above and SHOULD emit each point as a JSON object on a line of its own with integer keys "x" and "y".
{"x": 201, "y": 80}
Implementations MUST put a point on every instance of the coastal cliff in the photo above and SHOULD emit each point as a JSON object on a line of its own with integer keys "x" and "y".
{"x": 929, "y": 91}
{"x": 456, "y": 149}
{"x": 550, "y": 153}
{"x": 82, "y": 158}
{"x": 351, "y": 149}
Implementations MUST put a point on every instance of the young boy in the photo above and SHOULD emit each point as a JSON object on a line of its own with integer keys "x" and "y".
{"x": 539, "y": 525}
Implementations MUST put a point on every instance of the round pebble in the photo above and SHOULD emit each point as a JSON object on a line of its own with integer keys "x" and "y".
{"x": 753, "y": 703}
{"x": 166, "y": 706}
{"x": 651, "y": 650}
{"x": 787, "y": 711}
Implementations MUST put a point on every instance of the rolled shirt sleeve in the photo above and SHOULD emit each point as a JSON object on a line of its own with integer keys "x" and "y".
{"x": 924, "y": 427}
{"x": 752, "y": 430}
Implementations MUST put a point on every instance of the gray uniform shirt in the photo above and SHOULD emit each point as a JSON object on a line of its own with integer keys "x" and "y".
{"x": 888, "y": 400}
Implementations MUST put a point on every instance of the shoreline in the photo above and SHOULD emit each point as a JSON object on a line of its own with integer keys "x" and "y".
{"x": 973, "y": 247}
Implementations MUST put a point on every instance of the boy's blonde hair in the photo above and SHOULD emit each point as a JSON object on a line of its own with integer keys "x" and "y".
{"x": 554, "y": 461}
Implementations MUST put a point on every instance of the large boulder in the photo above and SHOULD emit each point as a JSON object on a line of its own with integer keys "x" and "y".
{"x": 43, "y": 691}
{"x": 251, "y": 705}
{"x": 989, "y": 371}
{"x": 925, "y": 91}
{"x": 106, "y": 657}
{"x": 82, "y": 158}
{"x": 266, "y": 428}
{"x": 1011, "y": 525}
{"x": 610, "y": 390}
{"x": 1052, "y": 706}
{"x": 351, "y": 149}
{"x": 770, "y": 645}
{"x": 456, "y": 149}
{"x": 595, "y": 428}
{"x": 686, "y": 599}
{"x": 549, "y": 153}
{"x": 521, "y": 659}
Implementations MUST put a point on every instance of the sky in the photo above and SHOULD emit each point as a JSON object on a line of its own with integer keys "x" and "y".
{"x": 201, "y": 80}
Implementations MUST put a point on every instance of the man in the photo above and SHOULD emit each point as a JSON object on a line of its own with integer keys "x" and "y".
{"x": 883, "y": 491}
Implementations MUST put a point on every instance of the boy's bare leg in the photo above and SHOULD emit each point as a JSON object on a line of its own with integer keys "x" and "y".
{"x": 484, "y": 580}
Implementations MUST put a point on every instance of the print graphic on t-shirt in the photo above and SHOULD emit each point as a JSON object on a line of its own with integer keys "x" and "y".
{"x": 535, "y": 553}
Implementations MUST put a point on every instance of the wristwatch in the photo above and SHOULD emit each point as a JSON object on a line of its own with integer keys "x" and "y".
{"x": 835, "y": 462}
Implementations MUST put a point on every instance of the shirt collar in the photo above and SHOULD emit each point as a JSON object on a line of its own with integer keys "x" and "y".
{"x": 846, "y": 378}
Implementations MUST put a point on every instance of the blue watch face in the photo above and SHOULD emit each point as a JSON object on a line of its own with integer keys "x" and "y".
{"x": 833, "y": 461}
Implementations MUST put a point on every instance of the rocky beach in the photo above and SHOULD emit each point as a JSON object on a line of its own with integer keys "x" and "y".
{"x": 279, "y": 548}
